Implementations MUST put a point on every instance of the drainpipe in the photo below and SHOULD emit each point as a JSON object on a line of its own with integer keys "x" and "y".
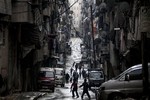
{"x": 94, "y": 56}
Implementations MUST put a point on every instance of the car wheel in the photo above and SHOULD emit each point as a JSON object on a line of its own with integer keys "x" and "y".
{"x": 116, "y": 97}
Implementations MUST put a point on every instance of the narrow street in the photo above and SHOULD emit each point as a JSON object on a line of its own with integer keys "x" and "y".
{"x": 60, "y": 93}
{"x": 42, "y": 42}
{"x": 65, "y": 94}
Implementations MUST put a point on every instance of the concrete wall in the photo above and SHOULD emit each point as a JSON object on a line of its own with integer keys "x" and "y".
{"x": 4, "y": 58}
{"x": 4, "y": 53}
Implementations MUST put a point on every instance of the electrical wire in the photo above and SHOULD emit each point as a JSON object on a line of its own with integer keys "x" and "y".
{"x": 68, "y": 8}
{"x": 53, "y": 19}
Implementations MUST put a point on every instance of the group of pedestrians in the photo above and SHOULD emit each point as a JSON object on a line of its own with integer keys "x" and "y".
{"x": 74, "y": 86}
{"x": 74, "y": 89}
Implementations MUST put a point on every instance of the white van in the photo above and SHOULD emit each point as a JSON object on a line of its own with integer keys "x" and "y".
{"x": 60, "y": 76}
{"x": 127, "y": 84}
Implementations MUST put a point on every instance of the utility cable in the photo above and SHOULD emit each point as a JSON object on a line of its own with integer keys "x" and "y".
{"x": 68, "y": 8}
{"x": 53, "y": 19}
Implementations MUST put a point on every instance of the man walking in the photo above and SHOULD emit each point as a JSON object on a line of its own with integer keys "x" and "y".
{"x": 74, "y": 88}
{"x": 75, "y": 75}
{"x": 85, "y": 89}
{"x": 67, "y": 77}
{"x": 83, "y": 73}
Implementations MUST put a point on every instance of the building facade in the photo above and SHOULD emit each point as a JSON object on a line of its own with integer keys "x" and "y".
{"x": 118, "y": 25}
{"x": 28, "y": 40}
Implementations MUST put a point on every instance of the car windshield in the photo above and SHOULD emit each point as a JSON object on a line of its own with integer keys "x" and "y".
{"x": 120, "y": 74}
{"x": 96, "y": 75}
{"x": 123, "y": 73}
{"x": 58, "y": 72}
{"x": 46, "y": 74}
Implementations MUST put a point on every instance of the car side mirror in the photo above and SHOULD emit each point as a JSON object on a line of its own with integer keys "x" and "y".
{"x": 127, "y": 77}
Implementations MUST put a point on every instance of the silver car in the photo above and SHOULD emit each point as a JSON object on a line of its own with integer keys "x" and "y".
{"x": 60, "y": 76}
{"x": 127, "y": 84}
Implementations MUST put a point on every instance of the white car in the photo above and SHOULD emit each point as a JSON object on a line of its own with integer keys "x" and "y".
{"x": 127, "y": 84}
{"x": 60, "y": 76}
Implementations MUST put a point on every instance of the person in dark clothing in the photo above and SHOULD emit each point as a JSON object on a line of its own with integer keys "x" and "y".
{"x": 75, "y": 75}
{"x": 67, "y": 77}
{"x": 74, "y": 88}
{"x": 85, "y": 89}
{"x": 76, "y": 67}
{"x": 71, "y": 70}
{"x": 80, "y": 73}
{"x": 80, "y": 67}
{"x": 83, "y": 73}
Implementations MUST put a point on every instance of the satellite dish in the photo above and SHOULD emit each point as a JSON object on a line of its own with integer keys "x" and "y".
{"x": 124, "y": 7}
{"x": 103, "y": 7}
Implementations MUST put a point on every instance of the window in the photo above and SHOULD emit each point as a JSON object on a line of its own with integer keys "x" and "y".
{"x": 46, "y": 74}
{"x": 96, "y": 75}
{"x": 136, "y": 74}
{"x": 58, "y": 72}
{"x": 49, "y": 74}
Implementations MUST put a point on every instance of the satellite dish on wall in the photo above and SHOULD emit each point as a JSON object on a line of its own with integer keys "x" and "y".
{"x": 103, "y": 7}
{"x": 124, "y": 7}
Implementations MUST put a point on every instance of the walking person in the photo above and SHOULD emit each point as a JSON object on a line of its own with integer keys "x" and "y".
{"x": 80, "y": 74}
{"x": 71, "y": 70}
{"x": 85, "y": 89}
{"x": 74, "y": 88}
{"x": 67, "y": 78}
{"x": 76, "y": 67}
{"x": 83, "y": 73}
{"x": 75, "y": 75}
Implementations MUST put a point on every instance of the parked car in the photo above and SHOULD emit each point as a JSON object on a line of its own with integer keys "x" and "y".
{"x": 46, "y": 78}
{"x": 127, "y": 84}
{"x": 60, "y": 76}
{"x": 95, "y": 77}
